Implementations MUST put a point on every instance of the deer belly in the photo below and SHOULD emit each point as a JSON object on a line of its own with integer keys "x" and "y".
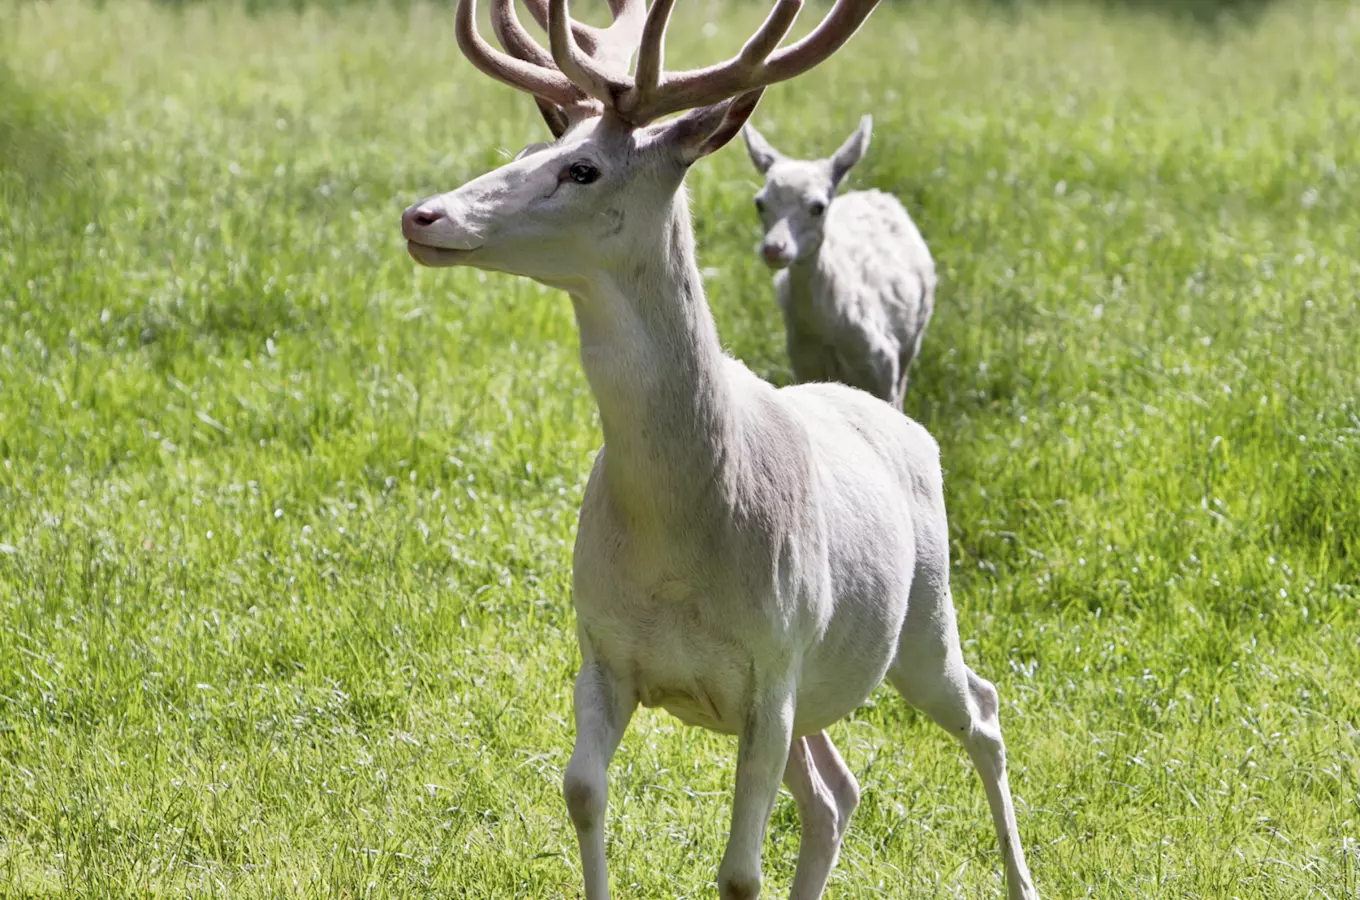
{"x": 829, "y": 691}
{"x": 693, "y": 705}
{"x": 714, "y": 696}
{"x": 698, "y": 677}
{"x": 848, "y": 662}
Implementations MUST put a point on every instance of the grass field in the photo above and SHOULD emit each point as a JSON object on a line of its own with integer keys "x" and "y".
{"x": 285, "y": 524}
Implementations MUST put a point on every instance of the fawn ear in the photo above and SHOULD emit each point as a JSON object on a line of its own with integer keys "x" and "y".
{"x": 852, "y": 150}
{"x": 700, "y": 132}
{"x": 762, "y": 154}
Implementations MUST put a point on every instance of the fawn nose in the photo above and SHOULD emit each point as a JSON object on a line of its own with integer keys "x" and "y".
{"x": 417, "y": 218}
{"x": 774, "y": 254}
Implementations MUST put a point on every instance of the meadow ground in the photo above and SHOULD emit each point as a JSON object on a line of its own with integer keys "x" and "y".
{"x": 285, "y": 523}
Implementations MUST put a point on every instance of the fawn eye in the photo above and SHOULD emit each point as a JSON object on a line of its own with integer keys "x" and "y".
{"x": 583, "y": 173}
{"x": 817, "y": 208}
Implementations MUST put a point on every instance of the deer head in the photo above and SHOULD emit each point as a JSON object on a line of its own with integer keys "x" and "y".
{"x": 797, "y": 195}
{"x": 601, "y": 193}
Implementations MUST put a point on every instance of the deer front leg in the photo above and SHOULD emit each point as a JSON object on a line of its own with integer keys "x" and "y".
{"x": 762, "y": 750}
{"x": 603, "y": 706}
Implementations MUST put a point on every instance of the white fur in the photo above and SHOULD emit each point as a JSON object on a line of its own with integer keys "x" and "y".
{"x": 753, "y": 560}
{"x": 855, "y": 280}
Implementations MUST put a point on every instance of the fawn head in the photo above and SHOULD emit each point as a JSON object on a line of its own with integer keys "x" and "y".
{"x": 797, "y": 195}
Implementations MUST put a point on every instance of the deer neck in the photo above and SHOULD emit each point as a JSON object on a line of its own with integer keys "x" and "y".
{"x": 804, "y": 275}
{"x": 805, "y": 267}
{"x": 651, "y": 354}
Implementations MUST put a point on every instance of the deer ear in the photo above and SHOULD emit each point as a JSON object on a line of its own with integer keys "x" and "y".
{"x": 852, "y": 150}
{"x": 700, "y": 132}
{"x": 554, "y": 115}
{"x": 762, "y": 154}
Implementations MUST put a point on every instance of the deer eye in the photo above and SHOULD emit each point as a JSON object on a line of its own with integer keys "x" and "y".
{"x": 583, "y": 173}
{"x": 817, "y": 208}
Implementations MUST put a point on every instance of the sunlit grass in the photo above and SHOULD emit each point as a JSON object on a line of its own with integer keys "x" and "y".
{"x": 285, "y": 523}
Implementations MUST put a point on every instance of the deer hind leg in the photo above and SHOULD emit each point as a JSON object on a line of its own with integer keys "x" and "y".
{"x": 880, "y": 371}
{"x": 826, "y": 794}
{"x": 906, "y": 360}
{"x": 603, "y": 707}
{"x": 930, "y": 674}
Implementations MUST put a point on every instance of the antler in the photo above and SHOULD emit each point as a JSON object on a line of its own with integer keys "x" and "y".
{"x": 513, "y": 36}
{"x": 612, "y": 46}
{"x": 655, "y": 94}
{"x": 587, "y": 67}
{"x": 528, "y": 66}
{"x": 529, "y": 74}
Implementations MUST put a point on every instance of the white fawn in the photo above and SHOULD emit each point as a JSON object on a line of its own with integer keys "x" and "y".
{"x": 854, "y": 280}
{"x": 753, "y": 560}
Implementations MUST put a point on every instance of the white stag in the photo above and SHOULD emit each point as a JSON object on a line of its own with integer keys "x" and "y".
{"x": 855, "y": 280}
{"x": 753, "y": 560}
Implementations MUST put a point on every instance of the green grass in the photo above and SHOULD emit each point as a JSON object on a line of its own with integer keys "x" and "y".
{"x": 285, "y": 523}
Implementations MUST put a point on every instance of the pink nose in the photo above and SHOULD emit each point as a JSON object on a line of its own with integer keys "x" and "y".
{"x": 417, "y": 218}
{"x": 774, "y": 253}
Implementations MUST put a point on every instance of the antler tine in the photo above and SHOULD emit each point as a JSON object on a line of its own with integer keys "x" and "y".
{"x": 586, "y": 35}
{"x": 542, "y": 82}
{"x": 756, "y": 66}
{"x": 838, "y": 27}
{"x": 652, "y": 48}
{"x": 539, "y": 10}
{"x": 612, "y": 46}
{"x": 616, "y": 44}
{"x": 514, "y": 37}
{"x": 583, "y": 69}
{"x": 770, "y": 32}
{"x": 639, "y": 104}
